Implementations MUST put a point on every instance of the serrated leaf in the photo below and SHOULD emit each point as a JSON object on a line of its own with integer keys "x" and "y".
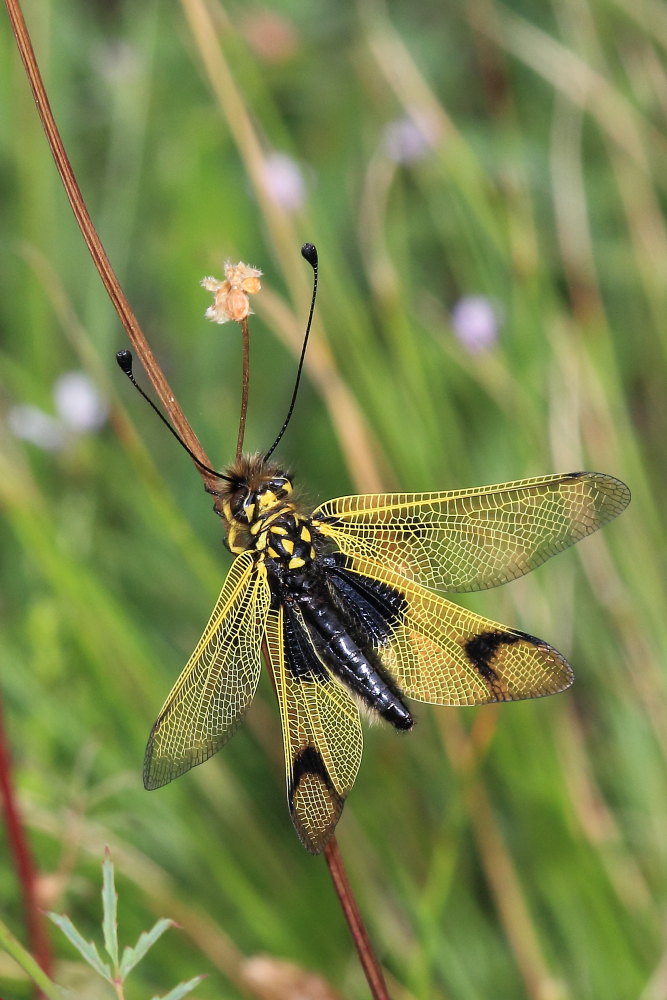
{"x": 182, "y": 989}
{"x": 86, "y": 949}
{"x": 109, "y": 910}
{"x": 146, "y": 940}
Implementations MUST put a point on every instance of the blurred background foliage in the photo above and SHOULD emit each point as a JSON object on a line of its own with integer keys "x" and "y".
{"x": 485, "y": 182}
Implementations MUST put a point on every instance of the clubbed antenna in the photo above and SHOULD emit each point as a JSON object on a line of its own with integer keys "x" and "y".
{"x": 309, "y": 253}
{"x": 124, "y": 359}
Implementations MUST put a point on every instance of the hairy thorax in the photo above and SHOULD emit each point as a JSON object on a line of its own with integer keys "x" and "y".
{"x": 262, "y": 514}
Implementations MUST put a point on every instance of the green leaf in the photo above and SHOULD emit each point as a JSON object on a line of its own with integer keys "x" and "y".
{"x": 109, "y": 909}
{"x": 182, "y": 989}
{"x": 146, "y": 940}
{"x": 85, "y": 948}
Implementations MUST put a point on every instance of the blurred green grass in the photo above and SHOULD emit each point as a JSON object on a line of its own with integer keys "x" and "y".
{"x": 517, "y": 853}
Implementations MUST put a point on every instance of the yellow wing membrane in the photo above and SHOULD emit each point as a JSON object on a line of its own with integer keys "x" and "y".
{"x": 446, "y": 655}
{"x": 218, "y": 683}
{"x": 322, "y": 738}
{"x": 472, "y": 539}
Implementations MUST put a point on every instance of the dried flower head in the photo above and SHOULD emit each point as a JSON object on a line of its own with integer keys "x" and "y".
{"x": 230, "y": 297}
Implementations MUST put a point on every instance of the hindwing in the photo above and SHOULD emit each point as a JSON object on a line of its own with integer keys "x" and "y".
{"x": 321, "y": 729}
{"x": 217, "y": 684}
{"x": 438, "y": 652}
{"x": 472, "y": 539}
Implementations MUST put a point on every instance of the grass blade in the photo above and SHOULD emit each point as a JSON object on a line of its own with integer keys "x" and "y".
{"x": 13, "y": 947}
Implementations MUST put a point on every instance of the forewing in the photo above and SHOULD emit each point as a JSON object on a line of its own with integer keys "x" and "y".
{"x": 473, "y": 539}
{"x": 441, "y": 653}
{"x": 212, "y": 694}
{"x": 321, "y": 731}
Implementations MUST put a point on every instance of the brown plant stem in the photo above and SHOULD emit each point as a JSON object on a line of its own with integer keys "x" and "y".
{"x": 245, "y": 382}
{"x": 22, "y": 857}
{"x": 348, "y": 903}
{"x": 346, "y": 897}
{"x": 94, "y": 244}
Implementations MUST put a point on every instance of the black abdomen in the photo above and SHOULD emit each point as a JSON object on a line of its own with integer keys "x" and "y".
{"x": 346, "y": 658}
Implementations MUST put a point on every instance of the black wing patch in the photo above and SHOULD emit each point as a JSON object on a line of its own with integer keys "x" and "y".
{"x": 483, "y": 648}
{"x": 375, "y": 607}
{"x": 321, "y": 729}
{"x": 446, "y": 655}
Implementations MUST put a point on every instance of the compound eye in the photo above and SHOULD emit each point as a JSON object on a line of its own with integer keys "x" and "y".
{"x": 280, "y": 486}
{"x": 242, "y": 507}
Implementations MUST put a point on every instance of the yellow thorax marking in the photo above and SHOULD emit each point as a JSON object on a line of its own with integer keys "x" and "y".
{"x": 262, "y": 540}
{"x": 262, "y": 517}
{"x": 265, "y": 528}
{"x": 235, "y": 546}
{"x": 267, "y": 518}
{"x": 267, "y": 500}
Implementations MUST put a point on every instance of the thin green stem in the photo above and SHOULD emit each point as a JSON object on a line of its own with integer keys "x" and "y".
{"x": 14, "y": 948}
{"x": 245, "y": 382}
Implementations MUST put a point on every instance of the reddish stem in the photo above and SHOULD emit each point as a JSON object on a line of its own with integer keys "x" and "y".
{"x": 346, "y": 897}
{"x": 343, "y": 889}
{"x": 22, "y": 858}
{"x": 348, "y": 903}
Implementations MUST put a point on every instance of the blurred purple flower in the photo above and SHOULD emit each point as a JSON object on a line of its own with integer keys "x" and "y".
{"x": 409, "y": 139}
{"x": 476, "y": 322}
{"x": 80, "y": 409}
{"x": 78, "y": 403}
{"x": 283, "y": 181}
{"x": 29, "y": 423}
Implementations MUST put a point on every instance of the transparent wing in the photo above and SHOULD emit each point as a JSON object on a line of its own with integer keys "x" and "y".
{"x": 473, "y": 539}
{"x": 212, "y": 694}
{"x": 321, "y": 732}
{"x": 444, "y": 654}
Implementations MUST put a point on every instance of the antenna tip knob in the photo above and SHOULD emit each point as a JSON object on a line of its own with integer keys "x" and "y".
{"x": 309, "y": 253}
{"x": 124, "y": 359}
